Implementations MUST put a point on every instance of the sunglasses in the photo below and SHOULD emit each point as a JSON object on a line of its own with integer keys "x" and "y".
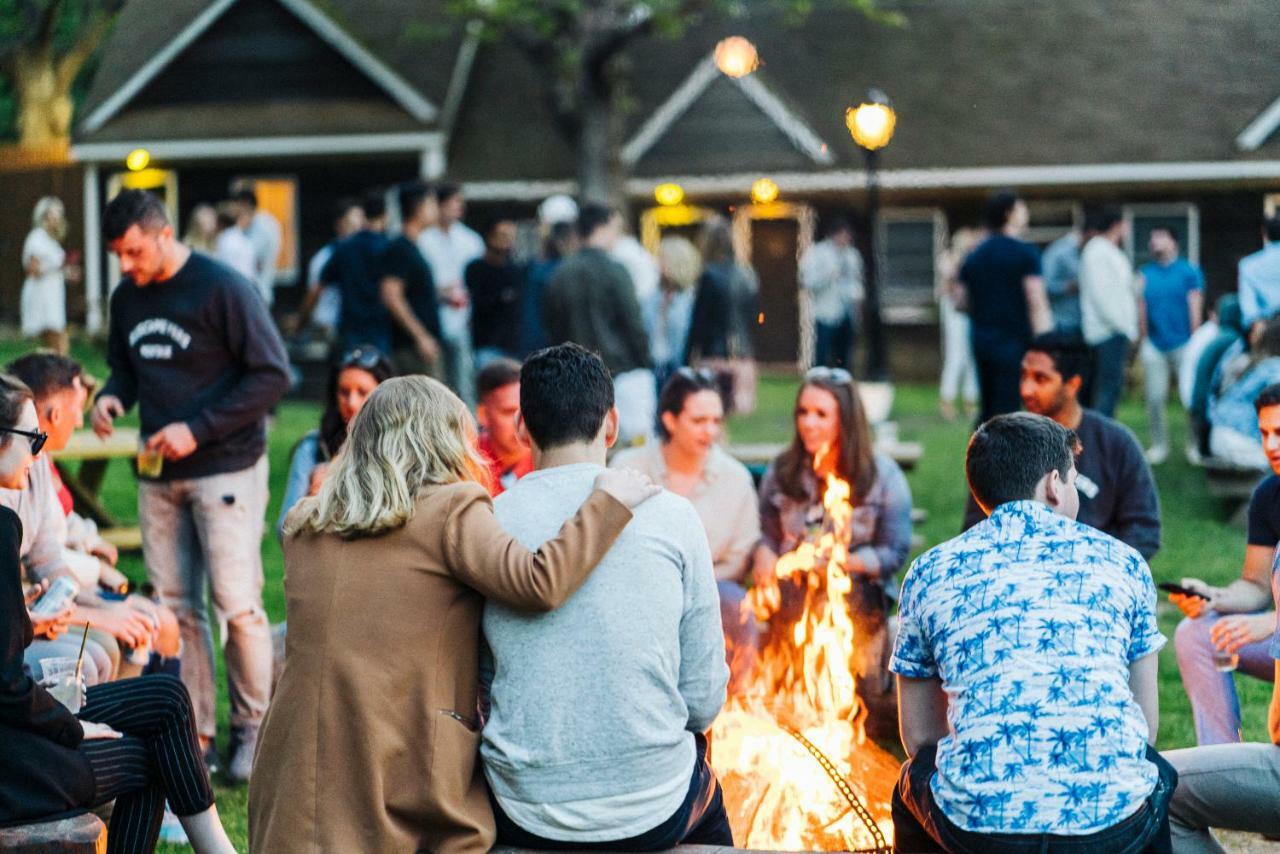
{"x": 36, "y": 438}
{"x": 838, "y": 375}
{"x": 362, "y": 357}
{"x": 702, "y": 375}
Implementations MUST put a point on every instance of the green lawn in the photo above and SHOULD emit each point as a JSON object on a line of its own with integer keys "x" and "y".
{"x": 1197, "y": 537}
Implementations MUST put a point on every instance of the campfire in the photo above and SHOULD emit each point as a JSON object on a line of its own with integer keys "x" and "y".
{"x": 790, "y": 750}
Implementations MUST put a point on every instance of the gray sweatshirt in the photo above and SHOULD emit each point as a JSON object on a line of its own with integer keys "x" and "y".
{"x": 601, "y": 697}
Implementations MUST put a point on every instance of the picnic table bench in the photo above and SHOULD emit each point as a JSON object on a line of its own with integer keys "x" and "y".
{"x": 85, "y": 481}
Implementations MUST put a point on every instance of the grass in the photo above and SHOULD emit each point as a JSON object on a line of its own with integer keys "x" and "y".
{"x": 1198, "y": 539}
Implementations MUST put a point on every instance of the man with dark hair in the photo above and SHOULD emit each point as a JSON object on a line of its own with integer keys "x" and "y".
{"x": 192, "y": 344}
{"x": 498, "y": 389}
{"x": 1117, "y": 494}
{"x": 449, "y": 246}
{"x": 590, "y": 301}
{"x": 1026, "y": 658}
{"x": 355, "y": 269}
{"x": 595, "y": 736}
{"x": 1236, "y": 619}
{"x": 263, "y": 231}
{"x": 1006, "y": 301}
{"x": 1259, "y": 276}
{"x": 1171, "y": 302}
{"x": 323, "y": 302}
{"x": 1108, "y": 305}
{"x": 496, "y": 282}
{"x": 407, "y": 289}
{"x": 831, "y": 271}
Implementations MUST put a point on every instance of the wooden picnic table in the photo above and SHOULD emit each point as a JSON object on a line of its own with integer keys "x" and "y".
{"x": 93, "y": 454}
{"x": 905, "y": 454}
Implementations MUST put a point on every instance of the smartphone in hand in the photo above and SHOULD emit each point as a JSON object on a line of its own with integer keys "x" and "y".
{"x": 1170, "y": 587}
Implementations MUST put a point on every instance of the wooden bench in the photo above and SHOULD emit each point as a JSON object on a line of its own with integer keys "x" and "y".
{"x": 82, "y": 834}
{"x": 85, "y": 481}
{"x": 1233, "y": 484}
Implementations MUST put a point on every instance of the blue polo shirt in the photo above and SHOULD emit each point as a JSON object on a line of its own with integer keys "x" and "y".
{"x": 1165, "y": 293}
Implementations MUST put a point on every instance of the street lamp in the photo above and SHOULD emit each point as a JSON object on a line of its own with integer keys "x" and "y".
{"x": 736, "y": 57}
{"x": 871, "y": 124}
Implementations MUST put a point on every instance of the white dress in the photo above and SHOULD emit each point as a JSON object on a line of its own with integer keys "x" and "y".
{"x": 44, "y": 295}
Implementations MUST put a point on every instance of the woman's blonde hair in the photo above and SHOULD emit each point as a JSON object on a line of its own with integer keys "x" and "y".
{"x": 412, "y": 432}
{"x": 42, "y": 210}
{"x": 680, "y": 261}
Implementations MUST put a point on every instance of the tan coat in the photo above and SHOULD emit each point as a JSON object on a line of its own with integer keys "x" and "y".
{"x": 370, "y": 744}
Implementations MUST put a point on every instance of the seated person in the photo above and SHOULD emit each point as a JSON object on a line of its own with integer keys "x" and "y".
{"x": 1235, "y": 619}
{"x": 132, "y": 742}
{"x": 1229, "y": 786}
{"x": 1204, "y": 351}
{"x": 1026, "y": 662}
{"x": 498, "y": 392}
{"x": 690, "y": 462}
{"x": 832, "y": 437}
{"x": 595, "y": 737}
{"x": 136, "y": 623}
{"x": 1117, "y": 493}
{"x": 1233, "y": 426}
{"x": 351, "y": 381}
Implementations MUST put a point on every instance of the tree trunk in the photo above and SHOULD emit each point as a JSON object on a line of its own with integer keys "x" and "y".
{"x": 43, "y": 100}
{"x": 599, "y": 164}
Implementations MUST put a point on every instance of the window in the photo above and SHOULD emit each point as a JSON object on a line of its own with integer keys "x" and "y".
{"x": 1182, "y": 218}
{"x": 1051, "y": 219}
{"x": 910, "y": 241}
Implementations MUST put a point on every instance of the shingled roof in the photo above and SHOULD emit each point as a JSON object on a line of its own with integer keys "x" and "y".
{"x": 976, "y": 83}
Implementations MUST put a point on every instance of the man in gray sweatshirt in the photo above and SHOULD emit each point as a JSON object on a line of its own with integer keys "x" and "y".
{"x": 594, "y": 738}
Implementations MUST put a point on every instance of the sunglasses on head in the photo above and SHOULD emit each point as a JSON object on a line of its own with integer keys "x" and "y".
{"x": 838, "y": 375}
{"x": 696, "y": 375}
{"x": 361, "y": 357}
{"x": 36, "y": 438}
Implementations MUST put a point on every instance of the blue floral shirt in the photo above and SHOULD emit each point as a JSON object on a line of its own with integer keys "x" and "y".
{"x": 1031, "y": 621}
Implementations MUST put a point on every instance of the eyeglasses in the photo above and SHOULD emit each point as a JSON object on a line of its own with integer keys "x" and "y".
{"x": 36, "y": 438}
{"x": 837, "y": 375}
{"x": 362, "y": 357}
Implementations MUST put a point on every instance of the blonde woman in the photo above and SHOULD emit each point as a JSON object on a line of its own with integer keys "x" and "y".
{"x": 371, "y": 739}
{"x": 958, "y": 367}
{"x": 44, "y": 292}
{"x": 202, "y": 229}
{"x": 667, "y": 310}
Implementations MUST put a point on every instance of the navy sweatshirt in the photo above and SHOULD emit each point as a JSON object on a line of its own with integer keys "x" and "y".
{"x": 201, "y": 348}
{"x": 1117, "y": 492}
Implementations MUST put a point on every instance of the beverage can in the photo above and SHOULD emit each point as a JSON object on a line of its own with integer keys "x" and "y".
{"x": 61, "y": 593}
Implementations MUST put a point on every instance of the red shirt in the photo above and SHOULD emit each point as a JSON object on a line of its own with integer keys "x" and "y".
{"x": 60, "y": 488}
{"x": 503, "y": 478}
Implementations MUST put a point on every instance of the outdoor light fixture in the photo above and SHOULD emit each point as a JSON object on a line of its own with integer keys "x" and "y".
{"x": 872, "y": 122}
{"x": 138, "y": 159}
{"x": 736, "y": 57}
{"x": 764, "y": 191}
{"x": 668, "y": 194}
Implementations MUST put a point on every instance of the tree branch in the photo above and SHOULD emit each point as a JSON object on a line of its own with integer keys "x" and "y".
{"x": 91, "y": 35}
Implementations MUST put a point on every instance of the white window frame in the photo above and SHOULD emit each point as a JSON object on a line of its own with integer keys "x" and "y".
{"x": 909, "y": 315}
{"x": 1189, "y": 210}
{"x": 1046, "y": 234}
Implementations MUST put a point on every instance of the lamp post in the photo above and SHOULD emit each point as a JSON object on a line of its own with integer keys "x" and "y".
{"x": 871, "y": 124}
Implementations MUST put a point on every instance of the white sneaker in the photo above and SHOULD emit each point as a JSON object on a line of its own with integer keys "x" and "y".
{"x": 1157, "y": 454}
{"x": 171, "y": 831}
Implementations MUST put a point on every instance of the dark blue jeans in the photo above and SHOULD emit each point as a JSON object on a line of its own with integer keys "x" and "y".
{"x": 700, "y": 820}
{"x": 833, "y": 344}
{"x": 919, "y": 825}
{"x": 1110, "y": 358}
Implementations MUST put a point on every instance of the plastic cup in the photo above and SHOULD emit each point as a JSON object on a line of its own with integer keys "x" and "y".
{"x": 1225, "y": 662}
{"x": 53, "y": 669}
{"x": 150, "y": 462}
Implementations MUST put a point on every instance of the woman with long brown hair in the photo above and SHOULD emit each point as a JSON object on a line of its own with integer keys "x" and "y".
{"x": 833, "y": 438}
{"x": 371, "y": 740}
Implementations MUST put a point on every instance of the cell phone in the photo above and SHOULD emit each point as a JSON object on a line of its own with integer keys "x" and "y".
{"x": 1170, "y": 587}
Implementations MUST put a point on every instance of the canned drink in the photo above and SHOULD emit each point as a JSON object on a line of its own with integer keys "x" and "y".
{"x": 61, "y": 593}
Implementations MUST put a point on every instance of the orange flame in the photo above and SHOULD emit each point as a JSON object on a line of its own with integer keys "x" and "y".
{"x": 803, "y": 689}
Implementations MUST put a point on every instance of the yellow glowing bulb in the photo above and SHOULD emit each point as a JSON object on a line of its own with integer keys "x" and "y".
{"x": 138, "y": 160}
{"x": 668, "y": 194}
{"x": 871, "y": 124}
{"x": 736, "y": 57}
{"x": 764, "y": 191}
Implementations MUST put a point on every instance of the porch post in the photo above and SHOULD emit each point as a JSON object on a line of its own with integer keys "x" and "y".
{"x": 92, "y": 250}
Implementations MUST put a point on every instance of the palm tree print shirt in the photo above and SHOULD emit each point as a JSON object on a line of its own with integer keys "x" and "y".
{"x": 1031, "y": 621}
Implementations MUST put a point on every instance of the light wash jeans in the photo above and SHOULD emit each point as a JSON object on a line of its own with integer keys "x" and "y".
{"x": 1215, "y": 706}
{"x": 636, "y": 397}
{"x": 1157, "y": 366}
{"x": 206, "y": 534}
{"x": 459, "y": 363}
{"x": 957, "y": 356}
{"x": 1229, "y": 786}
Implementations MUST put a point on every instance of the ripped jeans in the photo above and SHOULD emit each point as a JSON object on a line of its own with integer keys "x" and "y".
{"x": 205, "y": 535}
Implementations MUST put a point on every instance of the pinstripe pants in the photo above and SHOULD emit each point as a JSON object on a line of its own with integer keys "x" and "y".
{"x": 157, "y": 759}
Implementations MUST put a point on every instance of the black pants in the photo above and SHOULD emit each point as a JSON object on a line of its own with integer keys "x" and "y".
{"x": 157, "y": 759}
{"x": 833, "y": 344}
{"x": 700, "y": 820}
{"x": 999, "y": 369}
{"x": 919, "y": 825}
{"x": 1110, "y": 358}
